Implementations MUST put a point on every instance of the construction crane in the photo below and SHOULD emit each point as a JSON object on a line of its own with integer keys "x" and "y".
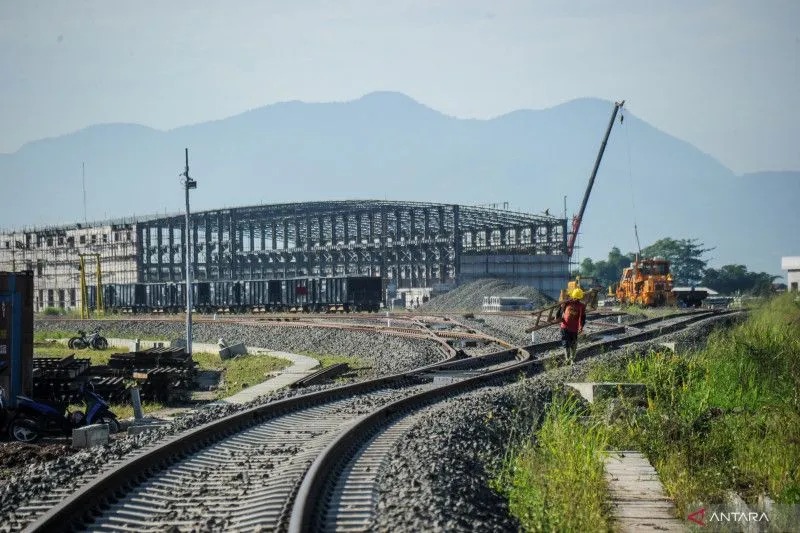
{"x": 576, "y": 219}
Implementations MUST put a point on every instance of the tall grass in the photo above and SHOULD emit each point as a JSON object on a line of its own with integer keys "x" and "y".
{"x": 556, "y": 482}
{"x": 727, "y": 417}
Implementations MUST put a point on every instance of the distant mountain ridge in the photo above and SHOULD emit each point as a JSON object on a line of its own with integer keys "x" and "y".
{"x": 386, "y": 145}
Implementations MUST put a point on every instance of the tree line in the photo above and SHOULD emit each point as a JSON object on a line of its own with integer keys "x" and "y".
{"x": 688, "y": 266}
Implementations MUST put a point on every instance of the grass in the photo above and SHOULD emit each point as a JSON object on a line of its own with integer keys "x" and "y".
{"x": 97, "y": 357}
{"x": 724, "y": 418}
{"x": 354, "y": 363}
{"x": 240, "y": 372}
{"x": 326, "y": 361}
{"x": 555, "y": 482}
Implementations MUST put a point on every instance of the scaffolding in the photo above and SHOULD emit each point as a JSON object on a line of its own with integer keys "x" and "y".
{"x": 53, "y": 254}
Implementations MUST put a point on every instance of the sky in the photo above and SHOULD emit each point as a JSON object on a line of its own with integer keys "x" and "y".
{"x": 723, "y": 75}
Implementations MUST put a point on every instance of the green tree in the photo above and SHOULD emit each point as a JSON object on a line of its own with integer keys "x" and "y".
{"x": 730, "y": 279}
{"x": 608, "y": 271}
{"x": 687, "y": 263}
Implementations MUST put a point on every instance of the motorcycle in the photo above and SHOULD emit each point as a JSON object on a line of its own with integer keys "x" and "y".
{"x": 34, "y": 419}
{"x": 95, "y": 340}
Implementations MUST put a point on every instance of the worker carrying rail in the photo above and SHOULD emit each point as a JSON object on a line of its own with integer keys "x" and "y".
{"x": 573, "y": 317}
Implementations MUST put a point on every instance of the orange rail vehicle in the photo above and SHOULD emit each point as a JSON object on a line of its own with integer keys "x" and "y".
{"x": 647, "y": 282}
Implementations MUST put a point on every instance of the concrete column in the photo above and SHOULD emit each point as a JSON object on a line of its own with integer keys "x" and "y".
{"x": 274, "y": 235}
{"x": 358, "y": 229}
{"x": 333, "y": 230}
{"x": 285, "y": 233}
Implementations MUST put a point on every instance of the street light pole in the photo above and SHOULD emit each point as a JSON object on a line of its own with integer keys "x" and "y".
{"x": 189, "y": 183}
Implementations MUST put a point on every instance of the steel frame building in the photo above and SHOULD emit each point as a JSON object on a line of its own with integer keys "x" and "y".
{"x": 410, "y": 244}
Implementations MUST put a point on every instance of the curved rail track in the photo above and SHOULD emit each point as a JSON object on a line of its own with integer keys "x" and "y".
{"x": 304, "y": 463}
{"x": 413, "y": 328}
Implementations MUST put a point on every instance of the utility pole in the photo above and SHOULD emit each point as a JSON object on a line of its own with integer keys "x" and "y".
{"x": 188, "y": 183}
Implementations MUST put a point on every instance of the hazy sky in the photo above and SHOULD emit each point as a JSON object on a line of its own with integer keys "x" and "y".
{"x": 723, "y": 75}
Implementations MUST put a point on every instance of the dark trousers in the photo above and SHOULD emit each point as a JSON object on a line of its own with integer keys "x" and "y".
{"x": 569, "y": 340}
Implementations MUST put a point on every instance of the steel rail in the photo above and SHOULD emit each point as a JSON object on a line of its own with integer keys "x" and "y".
{"x": 311, "y": 496}
{"x": 88, "y": 499}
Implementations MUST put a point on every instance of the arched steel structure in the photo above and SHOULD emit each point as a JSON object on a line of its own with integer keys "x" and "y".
{"x": 412, "y": 244}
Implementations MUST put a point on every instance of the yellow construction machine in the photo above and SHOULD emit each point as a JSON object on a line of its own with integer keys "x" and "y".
{"x": 647, "y": 282}
{"x": 590, "y": 292}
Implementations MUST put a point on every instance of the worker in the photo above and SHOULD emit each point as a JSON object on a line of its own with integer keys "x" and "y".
{"x": 573, "y": 317}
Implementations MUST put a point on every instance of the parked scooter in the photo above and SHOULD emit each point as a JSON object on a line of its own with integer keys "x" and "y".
{"x": 95, "y": 340}
{"x": 34, "y": 419}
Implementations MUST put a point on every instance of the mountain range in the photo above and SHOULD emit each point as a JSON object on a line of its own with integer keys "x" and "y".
{"x": 385, "y": 145}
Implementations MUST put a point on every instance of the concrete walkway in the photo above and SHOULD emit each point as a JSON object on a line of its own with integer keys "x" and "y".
{"x": 637, "y": 497}
{"x": 301, "y": 366}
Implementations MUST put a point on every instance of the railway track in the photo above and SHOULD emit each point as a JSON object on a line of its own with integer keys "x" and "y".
{"x": 281, "y": 465}
{"x": 415, "y": 330}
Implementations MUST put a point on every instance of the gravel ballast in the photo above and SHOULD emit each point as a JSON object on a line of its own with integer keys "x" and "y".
{"x": 438, "y": 474}
{"x": 387, "y": 354}
{"x": 39, "y": 481}
{"x": 469, "y": 297}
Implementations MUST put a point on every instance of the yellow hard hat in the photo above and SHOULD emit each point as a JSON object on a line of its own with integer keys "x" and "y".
{"x": 577, "y": 294}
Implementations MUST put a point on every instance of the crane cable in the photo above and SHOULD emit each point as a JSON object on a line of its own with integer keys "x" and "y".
{"x": 630, "y": 177}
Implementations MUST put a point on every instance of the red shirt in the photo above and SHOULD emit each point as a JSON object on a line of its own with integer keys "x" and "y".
{"x": 573, "y": 316}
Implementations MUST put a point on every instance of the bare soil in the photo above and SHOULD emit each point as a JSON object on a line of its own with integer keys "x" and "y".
{"x": 16, "y": 456}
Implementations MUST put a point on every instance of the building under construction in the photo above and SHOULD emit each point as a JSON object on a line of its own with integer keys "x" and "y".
{"x": 408, "y": 244}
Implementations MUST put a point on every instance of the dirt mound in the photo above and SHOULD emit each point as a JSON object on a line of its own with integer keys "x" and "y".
{"x": 469, "y": 297}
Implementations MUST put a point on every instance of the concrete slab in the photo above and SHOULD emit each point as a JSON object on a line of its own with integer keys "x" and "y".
{"x": 675, "y": 347}
{"x": 637, "y": 497}
{"x": 594, "y": 391}
{"x": 89, "y": 436}
{"x": 233, "y": 350}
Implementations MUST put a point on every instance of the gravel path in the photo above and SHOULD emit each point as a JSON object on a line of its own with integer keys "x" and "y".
{"x": 439, "y": 472}
{"x": 387, "y": 354}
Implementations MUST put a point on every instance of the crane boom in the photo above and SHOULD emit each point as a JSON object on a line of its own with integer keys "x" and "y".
{"x": 576, "y": 220}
